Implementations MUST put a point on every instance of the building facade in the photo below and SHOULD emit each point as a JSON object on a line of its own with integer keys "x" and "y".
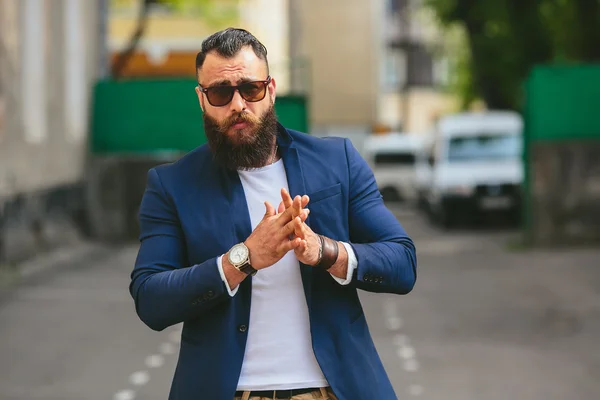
{"x": 48, "y": 62}
{"x": 173, "y": 37}
{"x": 371, "y": 66}
{"x": 361, "y": 64}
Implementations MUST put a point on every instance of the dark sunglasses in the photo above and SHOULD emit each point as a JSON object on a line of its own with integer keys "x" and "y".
{"x": 219, "y": 96}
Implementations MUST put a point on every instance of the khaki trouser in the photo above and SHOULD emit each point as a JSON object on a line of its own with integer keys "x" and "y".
{"x": 321, "y": 394}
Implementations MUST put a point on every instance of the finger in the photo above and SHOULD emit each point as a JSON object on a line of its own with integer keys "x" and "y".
{"x": 302, "y": 247}
{"x": 305, "y": 200}
{"x": 297, "y": 206}
{"x": 281, "y": 208}
{"x": 292, "y": 226}
{"x": 270, "y": 210}
{"x": 301, "y": 230}
{"x": 289, "y": 245}
{"x": 287, "y": 199}
{"x": 286, "y": 216}
{"x": 304, "y": 214}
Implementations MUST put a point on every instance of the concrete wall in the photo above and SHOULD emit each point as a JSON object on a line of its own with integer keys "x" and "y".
{"x": 268, "y": 21}
{"x": 341, "y": 40}
{"x": 48, "y": 61}
{"x": 424, "y": 106}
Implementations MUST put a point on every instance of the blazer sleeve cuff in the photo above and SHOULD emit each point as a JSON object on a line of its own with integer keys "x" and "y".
{"x": 222, "y": 273}
{"x": 352, "y": 264}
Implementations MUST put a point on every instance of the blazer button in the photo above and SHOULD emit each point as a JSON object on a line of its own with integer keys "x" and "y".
{"x": 210, "y": 294}
{"x": 242, "y": 328}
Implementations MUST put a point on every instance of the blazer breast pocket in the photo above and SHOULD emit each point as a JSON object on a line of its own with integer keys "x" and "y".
{"x": 326, "y": 211}
{"x": 326, "y": 193}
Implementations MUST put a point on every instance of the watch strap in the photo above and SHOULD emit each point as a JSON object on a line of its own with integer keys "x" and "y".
{"x": 247, "y": 269}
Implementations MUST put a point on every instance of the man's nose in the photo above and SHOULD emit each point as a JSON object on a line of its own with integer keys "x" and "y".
{"x": 238, "y": 104}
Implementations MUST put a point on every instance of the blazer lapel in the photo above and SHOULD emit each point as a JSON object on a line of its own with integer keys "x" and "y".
{"x": 295, "y": 178}
{"x": 239, "y": 215}
{"x": 239, "y": 207}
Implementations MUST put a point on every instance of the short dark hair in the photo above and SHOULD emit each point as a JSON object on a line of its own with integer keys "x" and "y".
{"x": 227, "y": 43}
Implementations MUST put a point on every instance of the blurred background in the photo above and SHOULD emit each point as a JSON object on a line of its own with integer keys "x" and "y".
{"x": 480, "y": 121}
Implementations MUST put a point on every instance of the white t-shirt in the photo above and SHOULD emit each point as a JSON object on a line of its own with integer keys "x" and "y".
{"x": 279, "y": 352}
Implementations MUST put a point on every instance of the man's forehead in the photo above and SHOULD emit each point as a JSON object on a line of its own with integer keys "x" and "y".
{"x": 243, "y": 66}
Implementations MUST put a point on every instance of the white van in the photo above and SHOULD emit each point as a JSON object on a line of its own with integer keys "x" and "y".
{"x": 472, "y": 166}
{"x": 391, "y": 156}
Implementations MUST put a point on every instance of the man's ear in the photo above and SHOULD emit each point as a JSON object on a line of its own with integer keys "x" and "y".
{"x": 272, "y": 90}
{"x": 200, "y": 98}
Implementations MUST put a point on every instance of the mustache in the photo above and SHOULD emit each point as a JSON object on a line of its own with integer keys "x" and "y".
{"x": 243, "y": 116}
{"x": 250, "y": 153}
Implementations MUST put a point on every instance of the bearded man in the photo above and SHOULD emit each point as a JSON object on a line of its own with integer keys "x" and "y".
{"x": 258, "y": 242}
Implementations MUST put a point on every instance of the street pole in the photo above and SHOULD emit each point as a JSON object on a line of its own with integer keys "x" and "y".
{"x": 294, "y": 45}
{"x": 405, "y": 25}
{"x": 103, "y": 51}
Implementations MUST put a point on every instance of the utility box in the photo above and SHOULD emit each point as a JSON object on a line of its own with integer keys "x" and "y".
{"x": 562, "y": 155}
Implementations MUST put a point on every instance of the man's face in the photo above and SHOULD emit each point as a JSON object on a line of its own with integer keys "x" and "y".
{"x": 241, "y": 133}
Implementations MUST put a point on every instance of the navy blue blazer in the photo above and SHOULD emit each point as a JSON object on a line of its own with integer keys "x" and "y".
{"x": 193, "y": 211}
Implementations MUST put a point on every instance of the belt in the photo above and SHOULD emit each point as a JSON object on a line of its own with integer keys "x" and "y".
{"x": 277, "y": 394}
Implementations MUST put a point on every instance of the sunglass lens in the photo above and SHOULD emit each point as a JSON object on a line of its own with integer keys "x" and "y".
{"x": 219, "y": 96}
{"x": 253, "y": 91}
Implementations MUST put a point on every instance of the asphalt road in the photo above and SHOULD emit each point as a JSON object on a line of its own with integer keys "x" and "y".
{"x": 482, "y": 323}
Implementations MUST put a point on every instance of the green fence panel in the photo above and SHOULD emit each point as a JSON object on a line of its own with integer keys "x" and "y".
{"x": 154, "y": 116}
{"x": 563, "y": 102}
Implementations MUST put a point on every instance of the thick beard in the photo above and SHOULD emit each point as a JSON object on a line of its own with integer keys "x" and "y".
{"x": 252, "y": 151}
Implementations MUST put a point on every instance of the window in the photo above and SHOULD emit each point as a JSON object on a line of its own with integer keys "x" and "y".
{"x": 393, "y": 70}
{"x": 35, "y": 47}
{"x": 394, "y": 6}
{"x": 9, "y": 54}
{"x": 420, "y": 67}
{"x": 394, "y": 159}
{"x": 74, "y": 70}
{"x": 2, "y": 100}
{"x": 482, "y": 147}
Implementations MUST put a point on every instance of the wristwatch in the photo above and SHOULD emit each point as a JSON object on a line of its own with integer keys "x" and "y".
{"x": 239, "y": 257}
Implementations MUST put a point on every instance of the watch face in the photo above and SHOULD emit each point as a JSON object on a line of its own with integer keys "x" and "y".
{"x": 238, "y": 254}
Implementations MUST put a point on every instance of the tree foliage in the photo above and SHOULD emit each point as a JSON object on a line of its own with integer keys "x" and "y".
{"x": 214, "y": 13}
{"x": 506, "y": 38}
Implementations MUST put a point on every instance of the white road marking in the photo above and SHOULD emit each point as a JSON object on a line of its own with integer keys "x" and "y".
{"x": 411, "y": 365}
{"x": 394, "y": 323}
{"x": 400, "y": 340}
{"x": 406, "y": 352}
{"x": 155, "y": 361}
{"x": 167, "y": 348}
{"x": 139, "y": 378}
{"x": 415, "y": 390}
{"x": 389, "y": 308}
{"x": 124, "y": 395}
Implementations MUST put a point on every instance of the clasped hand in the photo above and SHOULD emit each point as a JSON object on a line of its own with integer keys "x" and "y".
{"x": 283, "y": 230}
